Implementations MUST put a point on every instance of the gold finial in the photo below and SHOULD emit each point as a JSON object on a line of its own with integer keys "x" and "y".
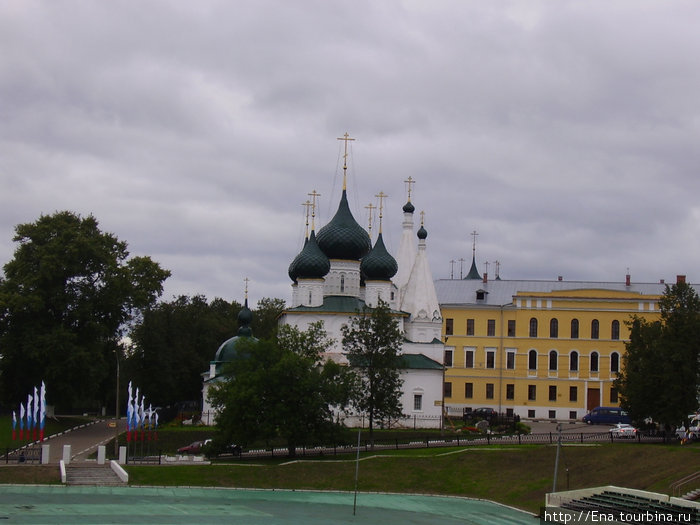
{"x": 452, "y": 268}
{"x": 313, "y": 196}
{"x": 461, "y": 267}
{"x": 307, "y": 205}
{"x": 409, "y": 182}
{"x": 246, "y": 280}
{"x": 381, "y": 196}
{"x": 422, "y": 218}
{"x": 371, "y": 207}
{"x": 346, "y": 138}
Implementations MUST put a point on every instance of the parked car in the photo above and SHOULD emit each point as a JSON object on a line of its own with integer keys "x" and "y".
{"x": 623, "y": 430}
{"x": 193, "y": 448}
{"x": 481, "y": 413}
{"x": 606, "y": 416}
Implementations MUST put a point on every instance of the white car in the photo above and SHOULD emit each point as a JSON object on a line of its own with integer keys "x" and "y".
{"x": 623, "y": 430}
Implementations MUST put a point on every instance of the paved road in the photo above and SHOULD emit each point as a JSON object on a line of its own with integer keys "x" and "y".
{"x": 84, "y": 441}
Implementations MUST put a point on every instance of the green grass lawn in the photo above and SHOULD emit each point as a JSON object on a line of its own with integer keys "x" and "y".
{"x": 517, "y": 476}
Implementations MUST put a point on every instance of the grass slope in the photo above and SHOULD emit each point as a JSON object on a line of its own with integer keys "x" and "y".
{"x": 515, "y": 476}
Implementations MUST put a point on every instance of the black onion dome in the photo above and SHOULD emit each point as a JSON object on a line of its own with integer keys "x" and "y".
{"x": 408, "y": 207}
{"x": 378, "y": 264}
{"x": 343, "y": 238}
{"x": 293, "y": 270}
{"x": 312, "y": 263}
{"x": 422, "y": 233}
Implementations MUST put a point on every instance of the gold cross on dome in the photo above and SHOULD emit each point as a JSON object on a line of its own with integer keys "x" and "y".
{"x": 409, "y": 182}
{"x": 346, "y": 138}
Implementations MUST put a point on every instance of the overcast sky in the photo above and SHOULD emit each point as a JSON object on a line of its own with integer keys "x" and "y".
{"x": 566, "y": 133}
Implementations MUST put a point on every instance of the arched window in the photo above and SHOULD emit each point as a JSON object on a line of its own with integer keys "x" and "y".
{"x": 595, "y": 329}
{"x": 553, "y": 358}
{"x": 342, "y": 283}
{"x": 554, "y": 328}
{"x": 573, "y": 361}
{"x": 532, "y": 360}
{"x": 615, "y": 330}
{"x": 574, "y": 329}
{"x": 594, "y": 361}
{"x": 533, "y": 327}
{"x": 615, "y": 362}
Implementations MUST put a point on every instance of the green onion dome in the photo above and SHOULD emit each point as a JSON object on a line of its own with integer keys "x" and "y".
{"x": 229, "y": 349}
{"x": 422, "y": 233}
{"x": 311, "y": 263}
{"x": 343, "y": 238}
{"x": 378, "y": 265}
{"x": 408, "y": 207}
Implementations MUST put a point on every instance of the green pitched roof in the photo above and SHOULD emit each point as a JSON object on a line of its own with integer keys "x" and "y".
{"x": 420, "y": 362}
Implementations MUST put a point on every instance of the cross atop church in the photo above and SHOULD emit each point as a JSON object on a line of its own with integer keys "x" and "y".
{"x": 307, "y": 205}
{"x": 313, "y": 196}
{"x": 347, "y": 139}
{"x": 246, "y": 281}
{"x": 474, "y": 236}
{"x": 381, "y": 196}
{"x": 409, "y": 182}
{"x": 371, "y": 207}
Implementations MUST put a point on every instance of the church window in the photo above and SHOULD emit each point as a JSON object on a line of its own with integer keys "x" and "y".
{"x": 595, "y": 329}
{"x": 309, "y": 296}
{"x": 417, "y": 402}
{"x": 342, "y": 283}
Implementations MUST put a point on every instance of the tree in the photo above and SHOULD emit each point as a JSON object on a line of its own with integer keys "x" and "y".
{"x": 65, "y": 299}
{"x": 265, "y": 316}
{"x": 173, "y": 344}
{"x": 282, "y": 388}
{"x": 660, "y": 377}
{"x": 372, "y": 342}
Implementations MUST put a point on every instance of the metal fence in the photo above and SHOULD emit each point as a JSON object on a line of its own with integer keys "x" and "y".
{"x": 28, "y": 454}
{"x": 433, "y": 441}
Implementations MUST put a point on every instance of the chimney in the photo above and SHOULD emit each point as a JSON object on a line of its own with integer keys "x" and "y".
{"x": 486, "y": 277}
{"x": 628, "y": 280}
{"x": 680, "y": 279}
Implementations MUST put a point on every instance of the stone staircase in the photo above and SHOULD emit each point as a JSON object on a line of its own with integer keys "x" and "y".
{"x": 101, "y": 475}
{"x": 693, "y": 495}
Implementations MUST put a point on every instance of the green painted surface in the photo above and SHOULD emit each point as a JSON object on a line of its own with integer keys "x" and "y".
{"x": 47, "y": 504}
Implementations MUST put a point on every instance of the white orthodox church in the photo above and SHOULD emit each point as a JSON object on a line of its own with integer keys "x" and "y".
{"x": 337, "y": 273}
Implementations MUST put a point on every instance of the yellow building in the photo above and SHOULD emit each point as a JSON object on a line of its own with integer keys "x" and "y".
{"x": 537, "y": 349}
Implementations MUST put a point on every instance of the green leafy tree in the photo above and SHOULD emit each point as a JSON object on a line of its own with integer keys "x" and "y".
{"x": 65, "y": 300}
{"x": 372, "y": 342}
{"x": 265, "y": 316}
{"x": 174, "y": 342}
{"x": 660, "y": 377}
{"x": 281, "y": 389}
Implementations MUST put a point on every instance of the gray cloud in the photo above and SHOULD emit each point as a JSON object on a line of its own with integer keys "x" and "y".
{"x": 564, "y": 132}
